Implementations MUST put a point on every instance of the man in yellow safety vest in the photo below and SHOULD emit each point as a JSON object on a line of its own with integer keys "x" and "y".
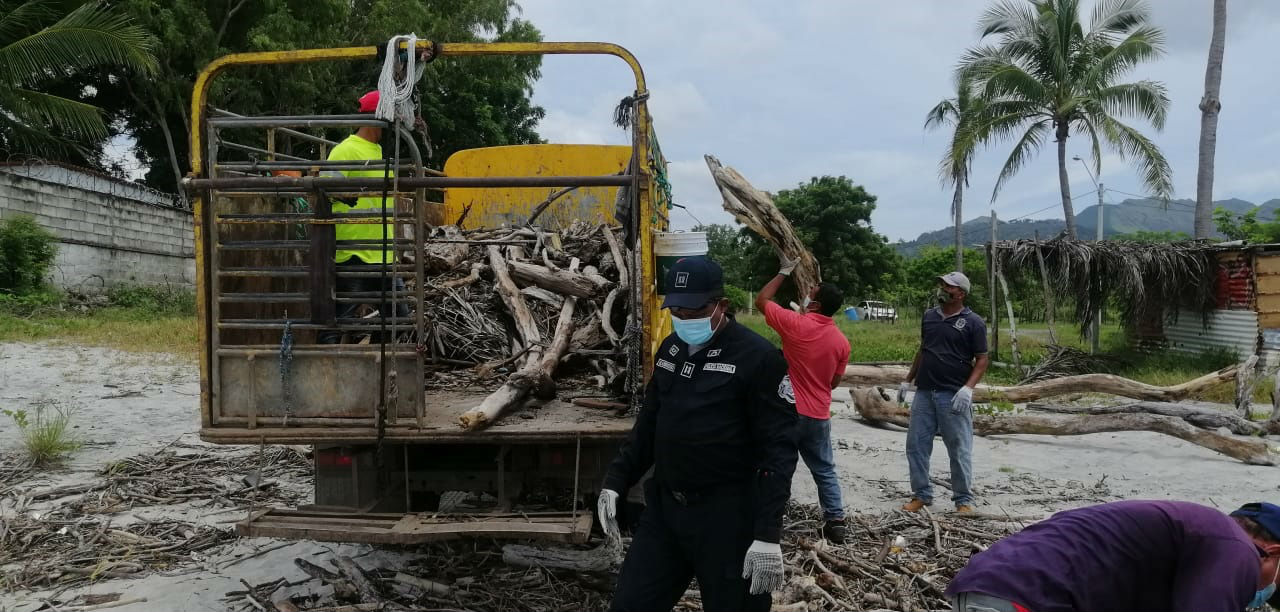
{"x": 367, "y": 259}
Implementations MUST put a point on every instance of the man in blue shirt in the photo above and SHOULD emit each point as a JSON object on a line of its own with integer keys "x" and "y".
{"x": 951, "y": 360}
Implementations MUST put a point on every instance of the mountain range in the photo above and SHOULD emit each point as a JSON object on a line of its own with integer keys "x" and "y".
{"x": 1132, "y": 215}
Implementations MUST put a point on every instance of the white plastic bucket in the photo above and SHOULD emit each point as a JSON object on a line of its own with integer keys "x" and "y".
{"x": 669, "y": 247}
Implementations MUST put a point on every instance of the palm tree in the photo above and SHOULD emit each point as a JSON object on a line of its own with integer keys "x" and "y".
{"x": 1047, "y": 76}
{"x": 40, "y": 46}
{"x": 1210, "y": 105}
{"x": 957, "y": 113}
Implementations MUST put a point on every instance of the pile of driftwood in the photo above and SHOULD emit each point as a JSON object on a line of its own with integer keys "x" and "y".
{"x": 218, "y": 477}
{"x": 65, "y": 548}
{"x": 522, "y": 302}
{"x": 895, "y": 561}
{"x": 1158, "y": 410}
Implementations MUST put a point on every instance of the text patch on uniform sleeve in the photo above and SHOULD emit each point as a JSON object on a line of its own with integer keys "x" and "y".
{"x": 666, "y": 365}
{"x": 727, "y": 368}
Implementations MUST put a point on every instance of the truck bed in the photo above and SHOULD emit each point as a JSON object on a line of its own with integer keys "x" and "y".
{"x": 556, "y": 421}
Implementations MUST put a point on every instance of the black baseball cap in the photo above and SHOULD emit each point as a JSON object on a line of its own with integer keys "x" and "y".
{"x": 1264, "y": 514}
{"x": 692, "y": 282}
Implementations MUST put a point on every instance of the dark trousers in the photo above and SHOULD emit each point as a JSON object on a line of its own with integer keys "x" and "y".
{"x": 705, "y": 538}
{"x": 365, "y": 284}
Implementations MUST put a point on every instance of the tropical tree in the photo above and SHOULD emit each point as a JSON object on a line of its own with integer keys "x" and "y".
{"x": 958, "y": 113}
{"x": 42, "y": 45}
{"x": 1047, "y": 75}
{"x": 1210, "y": 105}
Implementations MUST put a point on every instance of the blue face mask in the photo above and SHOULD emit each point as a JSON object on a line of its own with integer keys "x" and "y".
{"x": 1260, "y": 598}
{"x": 694, "y": 331}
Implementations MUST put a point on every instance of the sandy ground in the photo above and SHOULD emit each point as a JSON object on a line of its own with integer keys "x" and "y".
{"x": 126, "y": 404}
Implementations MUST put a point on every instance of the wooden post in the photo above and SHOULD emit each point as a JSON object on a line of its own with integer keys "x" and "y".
{"x": 994, "y": 349}
{"x": 1013, "y": 323}
{"x": 1048, "y": 295}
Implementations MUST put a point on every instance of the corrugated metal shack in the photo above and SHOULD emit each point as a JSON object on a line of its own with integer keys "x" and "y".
{"x": 1247, "y": 317}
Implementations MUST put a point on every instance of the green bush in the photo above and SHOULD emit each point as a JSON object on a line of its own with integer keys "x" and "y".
{"x": 155, "y": 299}
{"x": 738, "y": 298}
{"x": 26, "y": 254}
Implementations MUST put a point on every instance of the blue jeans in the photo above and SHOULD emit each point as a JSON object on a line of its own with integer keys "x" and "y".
{"x": 813, "y": 439}
{"x": 931, "y": 413}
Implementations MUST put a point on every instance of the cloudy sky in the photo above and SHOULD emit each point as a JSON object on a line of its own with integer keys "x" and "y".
{"x": 788, "y": 90}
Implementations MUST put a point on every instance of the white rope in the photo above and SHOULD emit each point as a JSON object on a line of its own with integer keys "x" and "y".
{"x": 395, "y": 96}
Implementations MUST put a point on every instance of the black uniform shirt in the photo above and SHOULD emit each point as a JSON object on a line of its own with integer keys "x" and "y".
{"x": 722, "y": 417}
{"x": 947, "y": 347}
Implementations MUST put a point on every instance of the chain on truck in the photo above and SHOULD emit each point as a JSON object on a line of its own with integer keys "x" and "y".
{"x": 390, "y": 458}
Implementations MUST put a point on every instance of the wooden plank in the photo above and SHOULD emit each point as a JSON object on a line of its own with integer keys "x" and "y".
{"x": 1268, "y": 303}
{"x": 1267, "y": 264}
{"x": 1268, "y": 284}
{"x": 1268, "y": 320}
{"x": 413, "y": 529}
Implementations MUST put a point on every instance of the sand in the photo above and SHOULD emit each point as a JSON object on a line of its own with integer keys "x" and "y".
{"x": 126, "y": 404}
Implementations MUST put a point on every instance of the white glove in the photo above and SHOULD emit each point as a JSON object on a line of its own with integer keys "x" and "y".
{"x": 963, "y": 400}
{"x": 607, "y": 509}
{"x": 763, "y": 565}
{"x": 903, "y": 388}
{"x": 786, "y": 265}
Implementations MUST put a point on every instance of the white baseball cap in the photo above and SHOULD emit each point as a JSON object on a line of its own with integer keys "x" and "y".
{"x": 956, "y": 279}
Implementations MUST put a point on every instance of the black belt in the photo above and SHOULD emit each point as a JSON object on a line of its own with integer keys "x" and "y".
{"x": 690, "y": 497}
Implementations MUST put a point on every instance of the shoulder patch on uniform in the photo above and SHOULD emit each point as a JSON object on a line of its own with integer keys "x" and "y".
{"x": 727, "y": 368}
{"x": 674, "y": 350}
{"x": 666, "y": 365}
{"x": 714, "y": 353}
{"x": 785, "y": 391}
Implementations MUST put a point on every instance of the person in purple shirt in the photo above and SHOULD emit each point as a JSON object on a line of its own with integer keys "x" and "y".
{"x": 1129, "y": 555}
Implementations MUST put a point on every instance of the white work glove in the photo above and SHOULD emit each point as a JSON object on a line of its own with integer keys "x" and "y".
{"x": 903, "y": 388}
{"x": 786, "y": 265}
{"x": 963, "y": 400}
{"x": 763, "y": 565}
{"x": 607, "y": 509}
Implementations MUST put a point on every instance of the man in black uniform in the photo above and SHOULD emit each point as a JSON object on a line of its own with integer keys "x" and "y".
{"x": 717, "y": 425}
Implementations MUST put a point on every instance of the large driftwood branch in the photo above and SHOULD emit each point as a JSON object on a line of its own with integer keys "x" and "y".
{"x": 534, "y": 376}
{"x": 874, "y": 405}
{"x": 530, "y": 337}
{"x": 444, "y": 256}
{"x": 756, "y": 210}
{"x": 862, "y": 376}
{"x": 1200, "y": 417}
{"x": 1244, "y": 386}
{"x": 577, "y": 284}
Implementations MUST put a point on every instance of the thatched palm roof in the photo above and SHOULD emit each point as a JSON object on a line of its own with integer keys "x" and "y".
{"x": 1142, "y": 279}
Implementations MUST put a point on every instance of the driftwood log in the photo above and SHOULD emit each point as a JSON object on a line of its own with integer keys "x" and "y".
{"x": 1200, "y": 417}
{"x": 578, "y": 284}
{"x": 756, "y": 210}
{"x": 874, "y": 404}
{"x": 861, "y": 376}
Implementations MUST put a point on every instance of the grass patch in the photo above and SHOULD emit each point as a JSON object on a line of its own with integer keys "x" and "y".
{"x": 134, "y": 319}
{"x": 46, "y": 434}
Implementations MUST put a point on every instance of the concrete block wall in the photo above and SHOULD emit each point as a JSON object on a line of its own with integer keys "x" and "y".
{"x": 110, "y": 232}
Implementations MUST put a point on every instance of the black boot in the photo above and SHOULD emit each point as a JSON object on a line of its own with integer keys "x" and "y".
{"x": 834, "y": 531}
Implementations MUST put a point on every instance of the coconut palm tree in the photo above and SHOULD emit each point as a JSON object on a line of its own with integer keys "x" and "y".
{"x": 41, "y": 45}
{"x": 1047, "y": 76}
{"x": 1210, "y": 105}
{"x": 957, "y": 113}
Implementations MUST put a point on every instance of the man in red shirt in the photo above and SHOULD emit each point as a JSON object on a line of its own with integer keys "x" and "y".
{"x": 817, "y": 353}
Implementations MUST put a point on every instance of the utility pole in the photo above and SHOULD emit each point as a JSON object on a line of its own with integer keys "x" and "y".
{"x": 1097, "y": 321}
{"x": 994, "y": 349}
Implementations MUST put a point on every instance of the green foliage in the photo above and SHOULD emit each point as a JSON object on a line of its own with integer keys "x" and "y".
{"x": 466, "y": 102}
{"x": 1048, "y": 75}
{"x": 46, "y": 434}
{"x": 1153, "y": 237}
{"x": 166, "y": 300}
{"x": 738, "y": 298}
{"x": 26, "y": 254}
{"x": 46, "y": 46}
{"x": 727, "y": 246}
{"x": 832, "y": 216}
{"x": 913, "y": 291}
{"x": 1246, "y": 226}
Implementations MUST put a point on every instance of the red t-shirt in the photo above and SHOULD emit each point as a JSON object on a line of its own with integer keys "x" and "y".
{"x": 815, "y": 350}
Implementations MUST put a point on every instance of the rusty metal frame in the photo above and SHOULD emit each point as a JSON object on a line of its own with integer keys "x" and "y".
{"x": 204, "y": 181}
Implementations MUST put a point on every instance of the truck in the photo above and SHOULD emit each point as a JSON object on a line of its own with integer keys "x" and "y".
{"x": 391, "y": 462}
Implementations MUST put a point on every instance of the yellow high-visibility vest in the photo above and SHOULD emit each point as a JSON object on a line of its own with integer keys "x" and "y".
{"x": 355, "y": 148}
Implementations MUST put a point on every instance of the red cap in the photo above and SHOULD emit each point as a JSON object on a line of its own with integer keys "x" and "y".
{"x": 369, "y": 102}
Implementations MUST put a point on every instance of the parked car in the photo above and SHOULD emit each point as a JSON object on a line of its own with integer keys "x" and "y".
{"x": 877, "y": 311}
